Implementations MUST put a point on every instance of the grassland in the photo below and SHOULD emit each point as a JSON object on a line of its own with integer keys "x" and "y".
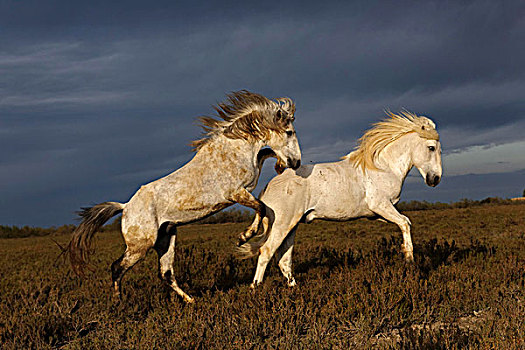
{"x": 465, "y": 290}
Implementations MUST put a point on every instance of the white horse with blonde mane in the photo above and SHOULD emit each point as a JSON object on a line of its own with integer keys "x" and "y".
{"x": 224, "y": 170}
{"x": 365, "y": 183}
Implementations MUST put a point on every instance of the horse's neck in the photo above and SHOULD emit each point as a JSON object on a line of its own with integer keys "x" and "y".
{"x": 397, "y": 156}
{"x": 239, "y": 152}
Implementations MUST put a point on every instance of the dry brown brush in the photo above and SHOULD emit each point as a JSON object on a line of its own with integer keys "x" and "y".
{"x": 465, "y": 290}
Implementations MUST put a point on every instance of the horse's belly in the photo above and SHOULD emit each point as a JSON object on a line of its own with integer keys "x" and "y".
{"x": 188, "y": 204}
{"x": 337, "y": 214}
{"x": 333, "y": 214}
{"x": 337, "y": 205}
{"x": 189, "y": 214}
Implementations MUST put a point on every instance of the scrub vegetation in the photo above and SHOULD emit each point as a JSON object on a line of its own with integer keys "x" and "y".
{"x": 465, "y": 290}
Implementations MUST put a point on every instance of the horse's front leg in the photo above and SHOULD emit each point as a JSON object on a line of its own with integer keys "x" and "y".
{"x": 245, "y": 198}
{"x": 387, "y": 210}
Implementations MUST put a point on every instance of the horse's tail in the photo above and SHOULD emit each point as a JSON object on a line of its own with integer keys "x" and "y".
{"x": 251, "y": 248}
{"x": 92, "y": 219}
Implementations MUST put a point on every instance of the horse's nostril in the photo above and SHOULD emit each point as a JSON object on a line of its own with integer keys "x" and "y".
{"x": 298, "y": 164}
{"x": 432, "y": 180}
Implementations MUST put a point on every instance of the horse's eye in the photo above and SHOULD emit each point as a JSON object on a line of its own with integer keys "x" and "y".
{"x": 289, "y": 132}
{"x": 431, "y": 148}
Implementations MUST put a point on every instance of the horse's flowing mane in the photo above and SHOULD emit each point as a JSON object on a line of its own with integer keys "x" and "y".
{"x": 387, "y": 131}
{"x": 246, "y": 115}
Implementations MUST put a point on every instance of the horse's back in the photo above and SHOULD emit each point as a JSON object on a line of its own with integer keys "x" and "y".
{"x": 326, "y": 190}
{"x": 285, "y": 190}
{"x": 184, "y": 195}
{"x": 338, "y": 190}
{"x": 300, "y": 186}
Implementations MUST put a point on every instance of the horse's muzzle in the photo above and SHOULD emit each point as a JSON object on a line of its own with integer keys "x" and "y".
{"x": 432, "y": 180}
{"x": 294, "y": 164}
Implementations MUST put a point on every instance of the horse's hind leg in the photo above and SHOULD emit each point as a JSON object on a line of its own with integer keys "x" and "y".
{"x": 139, "y": 239}
{"x": 284, "y": 257}
{"x": 165, "y": 247}
{"x": 123, "y": 264}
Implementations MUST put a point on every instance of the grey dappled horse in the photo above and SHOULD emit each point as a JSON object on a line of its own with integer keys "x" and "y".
{"x": 223, "y": 171}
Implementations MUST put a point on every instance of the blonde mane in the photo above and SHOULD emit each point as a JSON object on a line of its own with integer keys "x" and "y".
{"x": 246, "y": 115}
{"x": 387, "y": 131}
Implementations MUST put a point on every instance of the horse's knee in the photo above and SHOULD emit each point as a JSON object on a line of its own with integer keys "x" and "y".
{"x": 265, "y": 255}
{"x": 125, "y": 262}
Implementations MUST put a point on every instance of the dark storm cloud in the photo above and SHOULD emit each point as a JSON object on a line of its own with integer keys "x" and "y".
{"x": 97, "y": 98}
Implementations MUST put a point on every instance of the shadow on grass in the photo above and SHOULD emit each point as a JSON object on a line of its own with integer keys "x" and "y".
{"x": 203, "y": 272}
{"x": 217, "y": 272}
{"x": 433, "y": 254}
{"x": 429, "y": 255}
{"x": 329, "y": 257}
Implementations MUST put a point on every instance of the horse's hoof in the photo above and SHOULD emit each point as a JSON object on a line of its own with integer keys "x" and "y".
{"x": 117, "y": 298}
{"x": 189, "y": 300}
{"x": 291, "y": 282}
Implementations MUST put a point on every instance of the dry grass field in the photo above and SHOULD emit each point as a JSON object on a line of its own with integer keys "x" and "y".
{"x": 466, "y": 290}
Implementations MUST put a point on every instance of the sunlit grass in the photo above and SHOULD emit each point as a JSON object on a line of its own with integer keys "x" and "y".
{"x": 353, "y": 285}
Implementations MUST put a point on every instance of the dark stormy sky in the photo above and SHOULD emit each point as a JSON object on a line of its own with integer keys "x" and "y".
{"x": 100, "y": 97}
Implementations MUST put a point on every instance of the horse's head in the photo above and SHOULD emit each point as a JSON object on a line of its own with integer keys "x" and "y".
{"x": 283, "y": 141}
{"x": 407, "y": 134}
{"x": 426, "y": 157}
{"x": 254, "y": 118}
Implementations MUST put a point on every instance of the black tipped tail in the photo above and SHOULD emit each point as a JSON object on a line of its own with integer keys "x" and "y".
{"x": 92, "y": 219}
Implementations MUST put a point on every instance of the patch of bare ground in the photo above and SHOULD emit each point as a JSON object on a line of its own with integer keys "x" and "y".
{"x": 464, "y": 326}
